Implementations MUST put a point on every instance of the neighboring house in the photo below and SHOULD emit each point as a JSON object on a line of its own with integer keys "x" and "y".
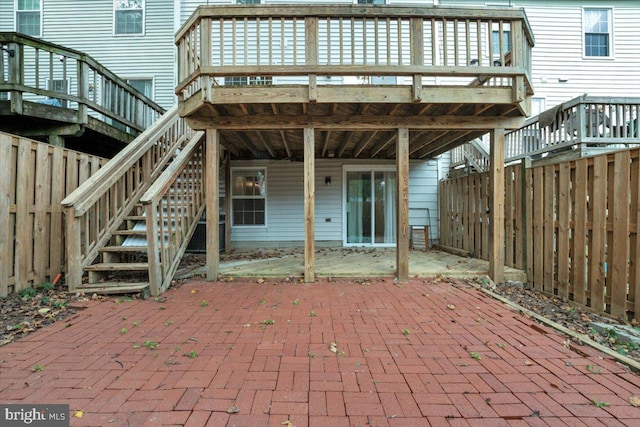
{"x": 581, "y": 47}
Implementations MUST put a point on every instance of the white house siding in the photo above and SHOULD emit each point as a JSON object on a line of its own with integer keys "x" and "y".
{"x": 88, "y": 26}
{"x": 558, "y": 52}
{"x": 285, "y": 201}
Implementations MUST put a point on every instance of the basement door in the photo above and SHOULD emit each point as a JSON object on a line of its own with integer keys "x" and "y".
{"x": 370, "y": 207}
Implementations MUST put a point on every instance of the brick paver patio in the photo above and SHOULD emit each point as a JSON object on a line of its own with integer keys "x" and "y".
{"x": 418, "y": 354}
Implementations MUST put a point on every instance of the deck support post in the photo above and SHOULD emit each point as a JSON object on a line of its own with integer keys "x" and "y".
{"x": 212, "y": 160}
{"x": 496, "y": 206}
{"x": 309, "y": 204}
{"x": 227, "y": 203}
{"x": 402, "y": 205}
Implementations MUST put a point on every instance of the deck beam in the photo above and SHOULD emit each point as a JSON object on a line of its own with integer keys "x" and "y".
{"x": 351, "y": 122}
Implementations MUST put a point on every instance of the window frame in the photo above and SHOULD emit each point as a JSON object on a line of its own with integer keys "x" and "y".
{"x": 233, "y": 197}
{"x": 144, "y": 19}
{"x": 15, "y": 17}
{"x": 609, "y": 11}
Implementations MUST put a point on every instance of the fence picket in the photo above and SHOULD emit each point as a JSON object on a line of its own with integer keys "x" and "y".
{"x": 33, "y": 180}
{"x": 580, "y": 221}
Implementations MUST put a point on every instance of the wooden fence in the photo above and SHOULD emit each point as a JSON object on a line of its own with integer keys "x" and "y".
{"x": 34, "y": 178}
{"x": 573, "y": 227}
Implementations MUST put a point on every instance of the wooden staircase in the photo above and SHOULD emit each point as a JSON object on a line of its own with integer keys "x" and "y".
{"x": 122, "y": 267}
{"x": 128, "y": 226}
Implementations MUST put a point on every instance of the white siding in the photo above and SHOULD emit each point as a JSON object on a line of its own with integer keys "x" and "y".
{"x": 88, "y": 26}
{"x": 285, "y": 201}
{"x": 558, "y": 53}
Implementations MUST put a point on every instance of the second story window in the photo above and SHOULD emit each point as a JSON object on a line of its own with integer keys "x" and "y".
{"x": 128, "y": 16}
{"x": 29, "y": 17}
{"x": 597, "y": 32}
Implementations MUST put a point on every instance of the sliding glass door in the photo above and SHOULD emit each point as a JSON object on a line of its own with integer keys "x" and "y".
{"x": 370, "y": 207}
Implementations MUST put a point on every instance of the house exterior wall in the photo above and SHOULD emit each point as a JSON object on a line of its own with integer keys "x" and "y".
{"x": 88, "y": 26}
{"x": 285, "y": 201}
{"x": 558, "y": 53}
{"x": 557, "y": 26}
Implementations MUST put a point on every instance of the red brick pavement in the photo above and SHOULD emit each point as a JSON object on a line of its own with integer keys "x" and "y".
{"x": 265, "y": 350}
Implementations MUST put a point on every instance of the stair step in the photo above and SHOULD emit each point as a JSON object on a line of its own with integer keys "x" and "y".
{"x": 123, "y": 249}
{"x": 110, "y": 288}
{"x": 118, "y": 266}
{"x": 136, "y": 218}
{"x": 130, "y": 232}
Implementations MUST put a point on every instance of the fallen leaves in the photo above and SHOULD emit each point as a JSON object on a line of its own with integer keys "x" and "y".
{"x": 634, "y": 401}
{"x": 233, "y": 410}
{"x": 451, "y": 306}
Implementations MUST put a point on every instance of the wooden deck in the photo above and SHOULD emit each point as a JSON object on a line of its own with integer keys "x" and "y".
{"x": 448, "y": 84}
{"x": 56, "y": 94}
{"x": 299, "y": 83}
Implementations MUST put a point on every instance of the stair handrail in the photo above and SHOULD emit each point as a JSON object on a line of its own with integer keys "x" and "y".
{"x": 173, "y": 205}
{"x": 97, "y": 207}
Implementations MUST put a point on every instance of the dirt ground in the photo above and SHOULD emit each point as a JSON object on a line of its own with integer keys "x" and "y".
{"x": 35, "y": 308}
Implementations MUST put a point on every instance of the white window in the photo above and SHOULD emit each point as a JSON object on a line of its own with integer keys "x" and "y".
{"x": 29, "y": 17}
{"x": 142, "y": 85}
{"x": 58, "y": 86}
{"x": 371, "y": 1}
{"x": 128, "y": 16}
{"x": 247, "y": 1}
{"x": 597, "y": 32}
{"x": 243, "y": 81}
{"x": 248, "y": 196}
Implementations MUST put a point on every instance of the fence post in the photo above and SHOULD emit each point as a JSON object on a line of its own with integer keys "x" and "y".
{"x": 525, "y": 164}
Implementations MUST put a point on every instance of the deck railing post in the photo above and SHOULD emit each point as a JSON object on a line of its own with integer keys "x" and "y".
{"x": 311, "y": 54}
{"x": 83, "y": 90}
{"x": 417, "y": 55}
{"x": 16, "y": 74}
{"x": 73, "y": 277}
{"x": 153, "y": 238}
{"x": 205, "y": 57}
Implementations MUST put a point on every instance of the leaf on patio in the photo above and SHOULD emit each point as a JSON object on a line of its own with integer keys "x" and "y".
{"x": 260, "y": 280}
{"x": 634, "y": 401}
{"x": 78, "y": 414}
{"x": 333, "y": 347}
{"x": 451, "y": 306}
{"x": 528, "y": 362}
{"x": 287, "y": 423}
{"x": 233, "y": 410}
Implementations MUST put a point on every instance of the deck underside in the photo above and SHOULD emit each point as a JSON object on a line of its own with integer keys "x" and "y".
{"x": 351, "y": 121}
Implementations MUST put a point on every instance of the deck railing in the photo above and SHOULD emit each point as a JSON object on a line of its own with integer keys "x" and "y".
{"x": 453, "y": 44}
{"x": 35, "y": 70}
{"x": 98, "y": 207}
{"x": 173, "y": 205}
{"x": 470, "y": 154}
{"x": 585, "y": 121}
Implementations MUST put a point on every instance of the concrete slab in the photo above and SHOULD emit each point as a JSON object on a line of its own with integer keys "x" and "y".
{"x": 364, "y": 262}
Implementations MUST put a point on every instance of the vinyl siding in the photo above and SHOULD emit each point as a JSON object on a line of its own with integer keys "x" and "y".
{"x": 285, "y": 201}
{"x": 558, "y": 53}
{"x": 88, "y": 26}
